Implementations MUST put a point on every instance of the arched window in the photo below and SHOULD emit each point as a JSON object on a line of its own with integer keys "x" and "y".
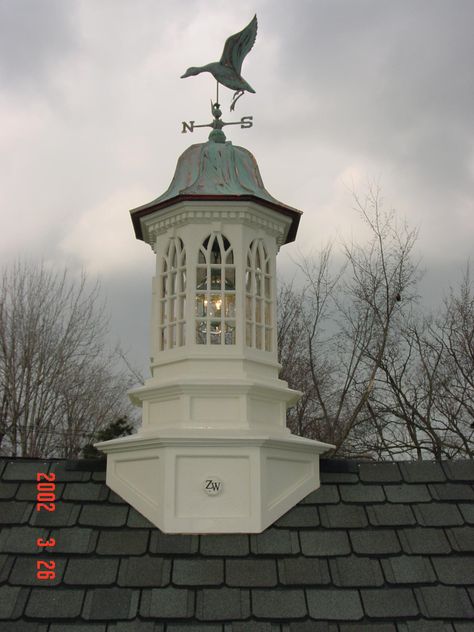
{"x": 258, "y": 301}
{"x": 172, "y": 296}
{"x": 215, "y": 292}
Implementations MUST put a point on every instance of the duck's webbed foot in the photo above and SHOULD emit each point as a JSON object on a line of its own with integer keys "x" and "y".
{"x": 237, "y": 96}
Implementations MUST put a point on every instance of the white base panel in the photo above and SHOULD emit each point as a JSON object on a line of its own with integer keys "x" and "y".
{"x": 212, "y": 483}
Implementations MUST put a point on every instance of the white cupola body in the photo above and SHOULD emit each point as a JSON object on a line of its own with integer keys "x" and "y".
{"x": 213, "y": 454}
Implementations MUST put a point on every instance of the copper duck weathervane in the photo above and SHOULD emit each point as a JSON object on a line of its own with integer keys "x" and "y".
{"x": 227, "y": 70}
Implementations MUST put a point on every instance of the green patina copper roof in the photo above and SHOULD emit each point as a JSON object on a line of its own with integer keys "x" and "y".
{"x": 216, "y": 171}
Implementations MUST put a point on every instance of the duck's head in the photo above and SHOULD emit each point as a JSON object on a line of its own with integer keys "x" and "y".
{"x": 191, "y": 72}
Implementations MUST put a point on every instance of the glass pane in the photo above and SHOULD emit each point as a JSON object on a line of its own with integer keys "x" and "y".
{"x": 174, "y": 261}
{"x": 229, "y": 334}
{"x": 248, "y": 308}
{"x": 230, "y": 258}
{"x": 183, "y": 334}
{"x": 258, "y": 338}
{"x": 268, "y": 339}
{"x": 172, "y": 336}
{"x": 215, "y": 278}
{"x": 215, "y": 305}
{"x": 162, "y": 311}
{"x": 182, "y": 281}
{"x": 258, "y": 264}
{"x": 230, "y": 306}
{"x": 267, "y": 287}
{"x": 258, "y": 311}
{"x": 181, "y": 307}
{"x": 248, "y": 335}
{"x": 201, "y": 257}
{"x": 201, "y": 331}
{"x": 249, "y": 263}
{"x": 201, "y": 276}
{"x": 164, "y": 337}
{"x": 182, "y": 262}
{"x": 172, "y": 309}
{"x": 267, "y": 267}
{"x": 226, "y": 243}
{"x": 165, "y": 264}
{"x": 215, "y": 252}
{"x": 173, "y": 282}
{"x": 201, "y": 305}
{"x": 248, "y": 281}
{"x": 258, "y": 283}
{"x": 216, "y": 332}
{"x": 268, "y": 313}
{"x": 163, "y": 285}
{"x": 230, "y": 278}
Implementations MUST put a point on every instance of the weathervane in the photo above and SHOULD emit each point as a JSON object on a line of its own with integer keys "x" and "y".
{"x": 227, "y": 72}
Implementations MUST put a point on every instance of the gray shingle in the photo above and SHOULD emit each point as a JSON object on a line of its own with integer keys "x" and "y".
{"x": 183, "y": 627}
{"x": 144, "y": 571}
{"x": 28, "y": 491}
{"x": 137, "y": 521}
{"x": 63, "y": 475}
{"x": 222, "y": 604}
{"x": 354, "y": 572}
{"x": 251, "y": 572}
{"x": 73, "y": 540}
{"x": 6, "y": 563}
{"x": 408, "y": 569}
{"x": 335, "y": 604}
{"x": 85, "y": 491}
{"x": 12, "y": 601}
{"x": 99, "y": 476}
{"x": 422, "y": 472}
{"x": 302, "y": 570}
{"x": 375, "y": 541}
{"x": 343, "y": 516}
{"x": 229, "y": 545}
{"x": 65, "y": 515}
{"x": 325, "y": 495}
{"x": 115, "y": 498}
{"x": 8, "y": 490}
{"x": 24, "y": 470}
{"x": 323, "y": 543}
{"x": 424, "y": 541}
{"x": 407, "y": 493}
{"x": 338, "y": 477}
{"x": 422, "y": 625}
{"x": 121, "y": 542}
{"x": 461, "y": 539}
{"x": 25, "y": 626}
{"x": 368, "y": 626}
{"x": 198, "y": 572}
{"x": 80, "y": 571}
{"x": 249, "y": 626}
{"x": 279, "y": 604}
{"x": 166, "y": 544}
{"x": 275, "y": 541}
{"x": 103, "y": 515}
{"x": 45, "y": 603}
{"x": 299, "y": 516}
{"x": 467, "y": 511}
{"x": 77, "y": 627}
{"x": 452, "y": 491}
{"x": 12, "y": 512}
{"x": 167, "y": 603}
{"x": 454, "y": 570}
{"x": 362, "y": 493}
{"x": 131, "y": 626}
{"x": 444, "y": 602}
{"x": 390, "y": 515}
{"x": 109, "y": 604}
{"x": 459, "y": 470}
{"x": 24, "y": 571}
{"x": 309, "y": 626}
{"x": 390, "y": 603}
{"x": 20, "y": 539}
{"x": 438, "y": 515}
{"x": 380, "y": 473}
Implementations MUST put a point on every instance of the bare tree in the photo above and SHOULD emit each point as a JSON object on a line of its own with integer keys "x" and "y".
{"x": 345, "y": 321}
{"x": 424, "y": 400}
{"x": 59, "y": 382}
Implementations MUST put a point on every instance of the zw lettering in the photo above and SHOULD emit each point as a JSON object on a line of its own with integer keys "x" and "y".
{"x": 213, "y": 486}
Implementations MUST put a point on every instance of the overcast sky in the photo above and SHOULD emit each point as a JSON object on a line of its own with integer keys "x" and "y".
{"x": 91, "y": 104}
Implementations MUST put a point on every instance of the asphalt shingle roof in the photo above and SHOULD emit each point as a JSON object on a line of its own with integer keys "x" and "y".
{"x": 379, "y": 548}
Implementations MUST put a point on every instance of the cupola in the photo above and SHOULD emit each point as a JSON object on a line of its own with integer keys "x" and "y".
{"x": 213, "y": 454}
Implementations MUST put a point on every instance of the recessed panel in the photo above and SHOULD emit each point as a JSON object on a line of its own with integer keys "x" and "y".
{"x": 212, "y": 486}
{"x": 284, "y": 475}
{"x": 140, "y": 474}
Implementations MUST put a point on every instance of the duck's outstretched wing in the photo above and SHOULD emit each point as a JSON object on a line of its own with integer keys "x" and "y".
{"x": 237, "y": 46}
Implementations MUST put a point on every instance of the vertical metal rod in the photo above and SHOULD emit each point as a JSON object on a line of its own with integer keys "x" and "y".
{"x": 217, "y": 97}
